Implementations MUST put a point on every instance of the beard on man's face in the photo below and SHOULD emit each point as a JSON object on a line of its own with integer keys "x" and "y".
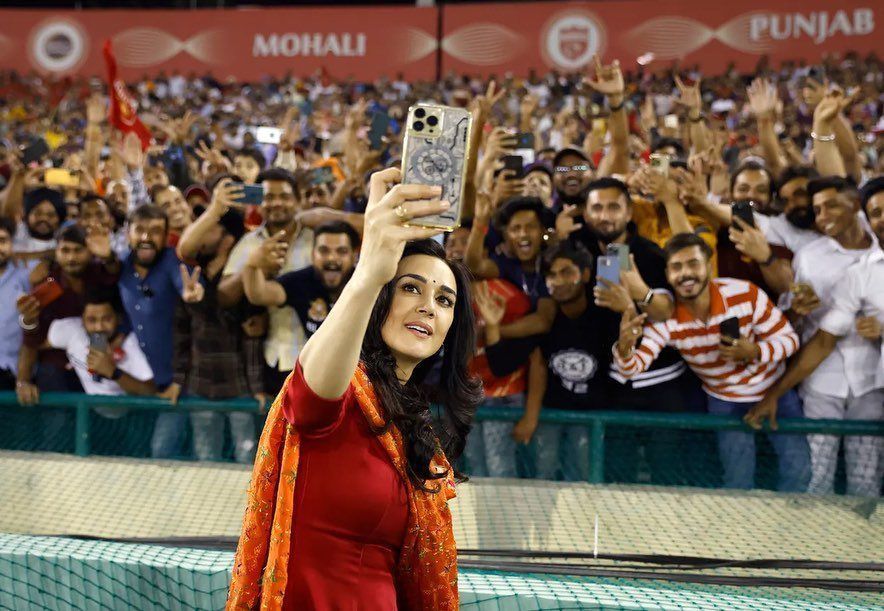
{"x": 801, "y": 217}
{"x": 41, "y": 230}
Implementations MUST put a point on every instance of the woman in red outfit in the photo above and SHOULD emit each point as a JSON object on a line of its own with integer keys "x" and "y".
{"x": 348, "y": 501}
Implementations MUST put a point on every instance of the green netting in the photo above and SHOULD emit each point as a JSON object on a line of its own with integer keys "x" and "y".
{"x": 619, "y": 543}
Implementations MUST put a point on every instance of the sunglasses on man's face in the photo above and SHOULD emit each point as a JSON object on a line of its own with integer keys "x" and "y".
{"x": 564, "y": 169}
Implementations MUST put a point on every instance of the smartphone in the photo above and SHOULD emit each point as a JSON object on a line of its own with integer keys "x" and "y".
{"x": 621, "y": 252}
{"x": 61, "y": 178}
{"x": 98, "y": 342}
{"x": 599, "y": 126}
{"x": 515, "y": 165}
{"x": 267, "y": 135}
{"x": 743, "y": 209}
{"x": 34, "y": 151}
{"x": 380, "y": 123}
{"x": 660, "y": 163}
{"x": 730, "y": 328}
{"x": 321, "y": 176}
{"x": 435, "y": 152}
{"x": 670, "y": 121}
{"x": 525, "y": 140}
{"x": 47, "y": 291}
{"x": 607, "y": 267}
{"x": 252, "y": 195}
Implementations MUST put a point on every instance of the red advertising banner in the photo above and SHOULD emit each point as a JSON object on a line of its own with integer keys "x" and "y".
{"x": 515, "y": 38}
{"x": 243, "y": 43}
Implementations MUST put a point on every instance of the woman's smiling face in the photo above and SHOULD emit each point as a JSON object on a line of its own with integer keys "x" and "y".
{"x": 421, "y": 309}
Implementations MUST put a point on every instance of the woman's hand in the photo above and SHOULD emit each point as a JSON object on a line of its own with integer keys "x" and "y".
{"x": 386, "y": 223}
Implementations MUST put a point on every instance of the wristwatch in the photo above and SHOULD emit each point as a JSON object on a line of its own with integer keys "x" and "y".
{"x": 117, "y": 374}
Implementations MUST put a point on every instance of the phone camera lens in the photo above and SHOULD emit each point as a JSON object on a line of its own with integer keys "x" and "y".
{"x": 420, "y": 113}
{"x": 432, "y": 121}
{"x": 418, "y": 126}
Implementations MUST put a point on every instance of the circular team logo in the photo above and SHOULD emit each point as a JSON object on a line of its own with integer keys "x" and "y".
{"x": 574, "y": 365}
{"x": 570, "y": 40}
{"x": 58, "y": 45}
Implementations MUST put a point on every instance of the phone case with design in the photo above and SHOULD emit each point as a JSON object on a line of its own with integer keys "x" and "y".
{"x": 436, "y": 152}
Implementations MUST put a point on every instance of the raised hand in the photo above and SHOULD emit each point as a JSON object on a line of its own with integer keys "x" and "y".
{"x": 483, "y": 104}
{"x": 214, "y": 157}
{"x": 29, "y": 307}
{"x": 763, "y": 98}
{"x": 827, "y": 109}
{"x": 387, "y": 215}
{"x": 98, "y": 242}
{"x": 192, "y": 291}
{"x": 631, "y": 331}
{"x": 270, "y": 255}
{"x": 749, "y": 240}
{"x": 225, "y": 196}
{"x": 96, "y": 108}
{"x": 484, "y": 208}
{"x": 492, "y": 306}
{"x": 614, "y": 297}
{"x": 608, "y": 79}
{"x": 689, "y": 96}
{"x": 566, "y": 221}
{"x": 130, "y": 152}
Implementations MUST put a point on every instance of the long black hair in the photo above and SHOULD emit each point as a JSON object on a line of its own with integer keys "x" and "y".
{"x": 408, "y": 405}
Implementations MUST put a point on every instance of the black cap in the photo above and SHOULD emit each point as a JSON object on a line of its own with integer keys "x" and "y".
{"x": 571, "y": 151}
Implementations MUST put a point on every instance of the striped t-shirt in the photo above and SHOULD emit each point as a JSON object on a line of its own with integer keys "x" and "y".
{"x": 698, "y": 341}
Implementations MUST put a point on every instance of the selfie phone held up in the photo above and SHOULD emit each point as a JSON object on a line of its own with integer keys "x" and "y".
{"x": 380, "y": 123}
{"x": 435, "y": 152}
{"x": 267, "y": 135}
{"x": 513, "y": 164}
{"x": 608, "y": 268}
{"x": 97, "y": 342}
{"x": 47, "y": 291}
{"x": 660, "y": 163}
{"x": 61, "y": 178}
{"x": 621, "y": 251}
{"x": 729, "y": 329}
{"x": 34, "y": 151}
{"x": 252, "y": 195}
{"x": 742, "y": 209}
{"x": 321, "y": 176}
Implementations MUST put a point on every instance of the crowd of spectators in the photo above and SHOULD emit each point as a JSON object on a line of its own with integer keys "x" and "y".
{"x": 744, "y": 212}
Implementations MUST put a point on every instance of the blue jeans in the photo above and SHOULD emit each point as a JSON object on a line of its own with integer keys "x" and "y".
{"x": 169, "y": 432}
{"x": 490, "y": 449}
{"x": 561, "y": 449}
{"x": 208, "y": 435}
{"x": 737, "y": 449}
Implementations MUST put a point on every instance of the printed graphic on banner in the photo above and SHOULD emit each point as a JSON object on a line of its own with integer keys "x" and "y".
{"x": 571, "y": 39}
{"x": 565, "y": 35}
{"x": 58, "y": 45}
{"x": 364, "y": 43}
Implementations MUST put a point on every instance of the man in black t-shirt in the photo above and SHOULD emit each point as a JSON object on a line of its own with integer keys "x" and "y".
{"x": 311, "y": 291}
{"x": 577, "y": 355}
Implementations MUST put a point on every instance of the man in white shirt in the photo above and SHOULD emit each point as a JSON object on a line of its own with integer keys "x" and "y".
{"x": 840, "y": 366}
{"x": 794, "y": 227}
{"x": 106, "y": 361}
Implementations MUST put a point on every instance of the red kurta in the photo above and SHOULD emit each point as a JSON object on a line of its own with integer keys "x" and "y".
{"x": 350, "y": 507}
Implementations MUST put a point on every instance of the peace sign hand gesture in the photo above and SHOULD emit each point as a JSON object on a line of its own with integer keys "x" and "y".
{"x": 192, "y": 291}
{"x": 631, "y": 331}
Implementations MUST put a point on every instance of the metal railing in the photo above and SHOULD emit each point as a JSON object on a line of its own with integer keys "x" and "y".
{"x": 596, "y": 421}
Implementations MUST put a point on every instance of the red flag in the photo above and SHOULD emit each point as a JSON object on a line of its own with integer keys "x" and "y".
{"x": 122, "y": 108}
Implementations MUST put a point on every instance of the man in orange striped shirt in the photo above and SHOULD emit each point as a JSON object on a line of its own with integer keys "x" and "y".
{"x": 737, "y": 342}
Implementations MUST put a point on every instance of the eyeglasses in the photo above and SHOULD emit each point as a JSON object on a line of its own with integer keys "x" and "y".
{"x": 564, "y": 169}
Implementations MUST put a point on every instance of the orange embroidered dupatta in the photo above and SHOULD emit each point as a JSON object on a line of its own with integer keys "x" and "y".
{"x": 427, "y": 571}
